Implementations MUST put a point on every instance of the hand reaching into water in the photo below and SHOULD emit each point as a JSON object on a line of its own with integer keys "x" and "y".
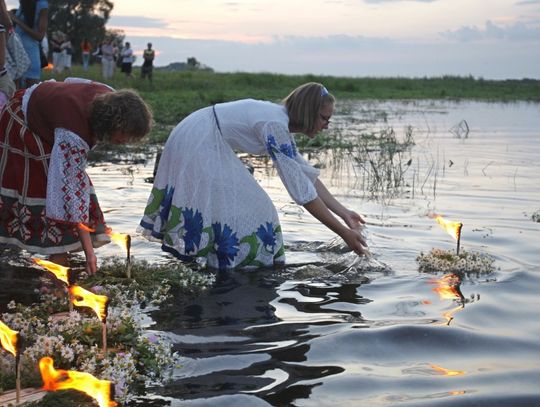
{"x": 353, "y": 220}
{"x": 356, "y": 242}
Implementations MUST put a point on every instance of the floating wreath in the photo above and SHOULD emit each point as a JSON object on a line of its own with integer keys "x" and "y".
{"x": 447, "y": 261}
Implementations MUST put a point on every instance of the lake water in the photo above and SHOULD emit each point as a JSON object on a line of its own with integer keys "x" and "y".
{"x": 333, "y": 330}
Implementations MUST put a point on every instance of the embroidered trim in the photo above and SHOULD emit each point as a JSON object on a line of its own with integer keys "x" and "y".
{"x": 68, "y": 185}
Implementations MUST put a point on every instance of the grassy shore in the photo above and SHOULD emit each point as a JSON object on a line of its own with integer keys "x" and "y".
{"x": 173, "y": 95}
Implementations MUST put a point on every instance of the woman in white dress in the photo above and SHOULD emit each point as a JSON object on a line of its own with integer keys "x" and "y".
{"x": 206, "y": 204}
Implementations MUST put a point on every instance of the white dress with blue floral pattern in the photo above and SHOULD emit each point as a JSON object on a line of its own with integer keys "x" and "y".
{"x": 206, "y": 204}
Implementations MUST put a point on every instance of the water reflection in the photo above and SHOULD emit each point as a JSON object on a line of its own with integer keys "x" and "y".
{"x": 448, "y": 287}
{"x": 251, "y": 333}
{"x": 18, "y": 278}
{"x": 335, "y": 329}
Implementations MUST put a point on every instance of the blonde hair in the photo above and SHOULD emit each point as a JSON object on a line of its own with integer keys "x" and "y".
{"x": 121, "y": 111}
{"x": 304, "y": 105}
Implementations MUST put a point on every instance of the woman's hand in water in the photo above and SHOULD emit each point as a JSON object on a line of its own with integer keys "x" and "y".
{"x": 356, "y": 242}
{"x": 353, "y": 220}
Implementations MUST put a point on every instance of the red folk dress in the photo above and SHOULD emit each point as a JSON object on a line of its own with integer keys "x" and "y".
{"x": 45, "y": 192}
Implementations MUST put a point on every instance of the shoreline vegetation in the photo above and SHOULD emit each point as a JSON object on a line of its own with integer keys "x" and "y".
{"x": 174, "y": 95}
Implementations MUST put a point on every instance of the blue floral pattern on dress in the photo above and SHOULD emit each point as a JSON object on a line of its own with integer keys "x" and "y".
{"x": 225, "y": 244}
{"x": 193, "y": 226}
{"x": 165, "y": 206}
{"x": 267, "y": 237}
{"x": 289, "y": 149}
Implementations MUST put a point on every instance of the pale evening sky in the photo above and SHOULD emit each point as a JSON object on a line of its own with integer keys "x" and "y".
{"x": 493, "y": 39}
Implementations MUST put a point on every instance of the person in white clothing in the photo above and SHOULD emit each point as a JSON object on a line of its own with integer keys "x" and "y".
{"x": 205, "y": 204}
{"x": 127, "y": 59}
{"x": 67, "y": 52}
{"x": 108, "y": 52}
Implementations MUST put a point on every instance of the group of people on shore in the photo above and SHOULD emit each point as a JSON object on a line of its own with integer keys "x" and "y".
{"x": 24, "y": 42}
{"x": 111, "y": 56}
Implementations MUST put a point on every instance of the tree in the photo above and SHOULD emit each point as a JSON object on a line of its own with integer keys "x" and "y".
{"x": 193, "y": 64}
{"x": 80, "y": 19}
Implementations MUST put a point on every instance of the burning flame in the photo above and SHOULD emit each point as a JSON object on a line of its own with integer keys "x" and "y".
{"x": 452, "y": 228}
{"x": 447, "y": 372}
{"x": 8, "y": 339}
{"x": 121, "y": 239}
{"x": 85, "y": 298}
{"x": 61, "y": 272}
{"x": 58, "y": 379}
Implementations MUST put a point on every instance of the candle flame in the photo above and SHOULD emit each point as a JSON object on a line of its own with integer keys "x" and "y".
{"x": 8, "y": 339}
{"x": 452, "y": 228}
{"x": 85, "y": 298}
{"x": 447, "y": 372}
{"x": 121, "y": 239}
{"x": 60, "y": 272}
{"x": 58, "y": 379}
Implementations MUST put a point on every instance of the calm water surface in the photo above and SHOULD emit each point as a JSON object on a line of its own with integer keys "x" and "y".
{"x": 331, "y": 330}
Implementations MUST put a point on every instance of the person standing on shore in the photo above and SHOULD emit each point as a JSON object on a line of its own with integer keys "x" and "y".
{"x": 127, "y": 59}
{"x": 67, "y": 52}
{"x": 148, "y": 62}
{"x": 7, "y": 86}
{"x": 204, "y": 204}
{"x": 31, "y": 19}
{"x": 107, "y": 59}
{"x": 86, "y": 49}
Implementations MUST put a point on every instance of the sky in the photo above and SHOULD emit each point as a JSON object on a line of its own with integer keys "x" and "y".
{"x": 491, "y": 39}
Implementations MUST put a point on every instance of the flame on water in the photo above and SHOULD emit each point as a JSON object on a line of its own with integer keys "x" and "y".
{"x": 8, "y": 338}
{"x": 85, "y": 298}
{"x": 58, "y": 379}
{"x": 452, "y": 228}
{"x": 61, "y": 272}
{"x": 447, "y": 372}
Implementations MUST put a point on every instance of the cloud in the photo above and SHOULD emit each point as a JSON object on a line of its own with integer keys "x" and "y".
{"x": 527, "y": 2}
{"x": 519, "y": 31}
{"x": 137, "y": 21}
{"x": 351, "y": 56}
{"x": 396, "y": 1}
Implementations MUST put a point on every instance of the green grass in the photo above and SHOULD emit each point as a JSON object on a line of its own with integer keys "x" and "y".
{"x": 174, "y": 95}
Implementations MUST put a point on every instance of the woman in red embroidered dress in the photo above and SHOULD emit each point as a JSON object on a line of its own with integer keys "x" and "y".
{"x": 46, "y": 133}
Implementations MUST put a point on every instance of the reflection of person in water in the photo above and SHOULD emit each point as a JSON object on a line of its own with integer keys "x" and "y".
{"x": 248, "y": 324}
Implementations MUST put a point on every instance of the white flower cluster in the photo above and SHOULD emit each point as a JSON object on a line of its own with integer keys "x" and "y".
{"x": 446, "y": 261}
{"x": 74, "y": 342}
